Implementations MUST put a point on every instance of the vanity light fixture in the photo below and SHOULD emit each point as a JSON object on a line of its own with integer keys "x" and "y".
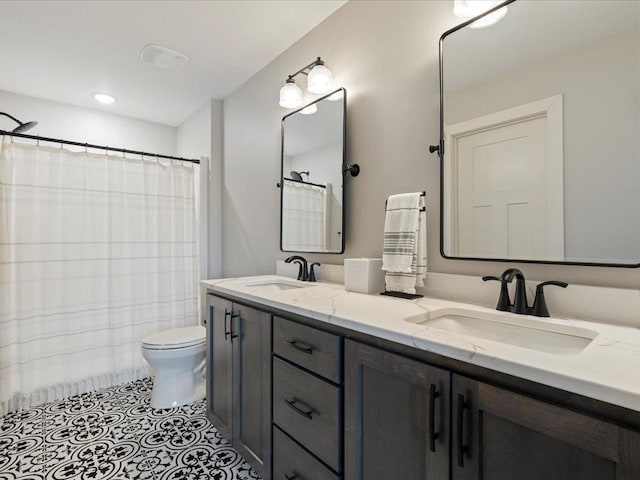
{"x": 467, "y": 9}
{"x": 319, "y": 80}
{"x": 290, "y": 94}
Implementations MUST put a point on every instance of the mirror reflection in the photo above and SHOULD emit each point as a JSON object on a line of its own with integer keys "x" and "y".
{"x": 312, "y": 177}
{"x": 541, "y": 148}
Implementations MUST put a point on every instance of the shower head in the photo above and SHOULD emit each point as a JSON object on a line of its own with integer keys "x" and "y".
{"x": 298, "y": 175}
{"x": 22, "y": 127}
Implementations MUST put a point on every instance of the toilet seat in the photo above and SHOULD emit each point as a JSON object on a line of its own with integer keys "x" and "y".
{"x": 175, "y": 338}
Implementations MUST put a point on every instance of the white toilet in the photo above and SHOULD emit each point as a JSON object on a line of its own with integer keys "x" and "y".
{"x": 177, "y": 357}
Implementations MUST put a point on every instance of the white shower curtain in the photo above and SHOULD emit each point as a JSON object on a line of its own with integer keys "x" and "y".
{"x": 304, "y": 217}
{"x": 96, "y": 251}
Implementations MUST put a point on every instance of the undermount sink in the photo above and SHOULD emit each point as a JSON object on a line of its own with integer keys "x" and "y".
{"x": 277, "y": 285}
{"x": 512, "y": 329}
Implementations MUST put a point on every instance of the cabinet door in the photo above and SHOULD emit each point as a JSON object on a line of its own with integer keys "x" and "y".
{"x": 251, "y": 337}
{"x": 501, "y": 435}
{"x": 219, "y": 363}
{"x": 396, "y": 417}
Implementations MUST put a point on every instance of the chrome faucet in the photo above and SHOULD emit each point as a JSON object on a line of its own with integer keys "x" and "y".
{"x": 520, "y": 304}
{"x": 303, "y": 269}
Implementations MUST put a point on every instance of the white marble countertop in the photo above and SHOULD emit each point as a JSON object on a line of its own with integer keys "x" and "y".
{"x": 608, "y": 369}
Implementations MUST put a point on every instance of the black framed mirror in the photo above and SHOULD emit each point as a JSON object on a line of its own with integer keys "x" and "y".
{"x": 539, "y": 135}
{"x": 312, "y": 176}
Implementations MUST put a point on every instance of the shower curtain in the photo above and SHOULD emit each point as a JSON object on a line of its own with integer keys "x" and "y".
{"x": 304, "y": 217}
{"x": 96, "y": 251}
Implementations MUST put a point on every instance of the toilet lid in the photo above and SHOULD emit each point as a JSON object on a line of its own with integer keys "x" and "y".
{"x": 175, "y": 338}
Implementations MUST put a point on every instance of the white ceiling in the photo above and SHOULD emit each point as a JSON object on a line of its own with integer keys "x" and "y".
{"x": 67, "y": 50}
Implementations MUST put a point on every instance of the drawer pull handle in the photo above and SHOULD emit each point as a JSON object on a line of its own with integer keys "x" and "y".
{"x": 433, "y": 435}
{"x": 303, "y": 347}
{"x": 305, "y": 413}
{"x": 462, "y": 448}
{"x": 295, "y": 476}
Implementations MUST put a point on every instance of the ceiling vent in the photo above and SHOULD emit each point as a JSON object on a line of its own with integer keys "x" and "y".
{"x": 163, "y": 57}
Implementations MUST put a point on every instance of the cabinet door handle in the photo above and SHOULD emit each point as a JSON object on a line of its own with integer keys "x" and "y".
{"x": 303, "y": 347}
{"x": 433, "y": 435}
{"x": 462, "y": 448}
{"x": 305, "y": 413}
{"x": 227, "y": 332}
{"x": 231, "y": 317}
{"x": 295, "y": 476}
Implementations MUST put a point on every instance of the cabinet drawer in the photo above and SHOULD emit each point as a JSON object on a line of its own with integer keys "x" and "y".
{"x": 308, "y": 409}
{"x": 290, "y": 460}
{"x": 308, "y": 347}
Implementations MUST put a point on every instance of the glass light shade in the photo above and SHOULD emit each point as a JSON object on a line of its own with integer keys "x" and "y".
{"x": 313, "y": 108}
{"x": 320, "y": 80}
{"x": 472, "y": 8}
{"x": 290, "y": 95}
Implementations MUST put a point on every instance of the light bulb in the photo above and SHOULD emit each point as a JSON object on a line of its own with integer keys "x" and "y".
{"x": 313, "y": 108}
{"x": 472, "y": 8}
{"x": 290, "y": 94}
{"x": 320, "y": 79}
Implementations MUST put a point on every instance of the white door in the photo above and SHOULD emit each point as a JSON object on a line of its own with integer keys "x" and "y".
{"x": 506, "y": 196}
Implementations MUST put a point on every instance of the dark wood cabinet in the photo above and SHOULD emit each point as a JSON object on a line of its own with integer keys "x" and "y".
{"x": 337, "y": 408}
{"x": 219, "y": 365}
{"x": 307, "y": 401}
{"x": 396, "y": 416}
{"x": 239, "y": 379}
{"x": 502, "y": 435}
{"x": 252, "y": 386}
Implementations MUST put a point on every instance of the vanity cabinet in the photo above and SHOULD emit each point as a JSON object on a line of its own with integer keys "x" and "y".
{"x": 398, "y": 411}
{"x": 502, "y": 435}
{"x": 239, "y": 378}
{"x": 307, "y": 402}
{"x": 219, "y": 365}
{"x": 303, "y": 403}
{"x": 396, "y": 416}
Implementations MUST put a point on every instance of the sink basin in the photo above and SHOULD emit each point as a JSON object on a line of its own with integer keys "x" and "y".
{"x": 277, "y": 285}
{"x": 512, "y": 329}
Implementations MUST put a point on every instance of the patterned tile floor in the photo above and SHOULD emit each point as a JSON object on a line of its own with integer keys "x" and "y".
{"x": 115, "y": 434}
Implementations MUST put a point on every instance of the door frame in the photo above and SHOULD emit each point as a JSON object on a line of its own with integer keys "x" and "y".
{"x": 552, "y": 109}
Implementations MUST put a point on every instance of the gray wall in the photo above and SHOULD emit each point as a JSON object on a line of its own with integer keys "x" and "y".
{"x": 386, "y": 55}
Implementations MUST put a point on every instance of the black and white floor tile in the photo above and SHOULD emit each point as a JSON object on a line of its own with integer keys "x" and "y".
{"x": 114, "y": 434}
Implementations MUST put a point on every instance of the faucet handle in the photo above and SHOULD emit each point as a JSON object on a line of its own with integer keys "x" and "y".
{"x": 488, "y": 278}
{"x": 504, "y": 302}
{"x": 539, "y": 308}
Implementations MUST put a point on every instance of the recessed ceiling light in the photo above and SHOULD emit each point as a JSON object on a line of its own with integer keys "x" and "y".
{"x": 104, "y": 98}
{"x": 163, "y": 57}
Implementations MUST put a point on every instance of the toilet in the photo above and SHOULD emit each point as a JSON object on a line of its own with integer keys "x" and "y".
{"x": 177, "y": 356}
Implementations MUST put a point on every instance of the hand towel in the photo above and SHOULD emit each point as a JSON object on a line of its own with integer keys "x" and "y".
{"x": 405, "y": 231}
{"x": 421, "y": 261}
{"x": 401, "y": 225}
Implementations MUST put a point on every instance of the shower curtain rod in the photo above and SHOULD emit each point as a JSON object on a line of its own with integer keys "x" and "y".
{"x": 99, "y": 147}
{"x": 305, "y": 183}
